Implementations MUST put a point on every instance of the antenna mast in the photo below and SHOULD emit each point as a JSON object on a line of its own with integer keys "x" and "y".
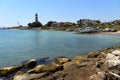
{"x": 19, "y": 24}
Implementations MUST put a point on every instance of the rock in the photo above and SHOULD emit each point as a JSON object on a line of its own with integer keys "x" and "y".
{"x": 30, "y": 64}
{"x": 53, "y": 71}
{"x": 116, "y": 52}
{"x": 61, "y": 78}
{"x": 59, "y": 75}
{"x": 62, "y": 60}
{"x": 20, "y": 72}
{"x": 68, "y": 65}
{"x": 78, "y": 59}
{"x": 115, "y": 69}
{"x": 107, "y": 50}
{"x": 112, "y": 76}
{"x": 112, "y": 63}
{"x": 41, "y": 79}
{"x": 52, "y": 67}
{"x": 110, "y": 56}
{"x": 9, "y": 70}
{"x": 37, "y": 69}
{"x": 93, "y": 54}
{"x": 112, "y": 60}
{"x": 104, "y": 66}
{"x": 28, "y": 76}
{"x": 100, "y": 63}
{"x": 102, "y": 55}
{"x": 116, "y": 47}
{"x": 81, "y": 72}
{"x": 100, "y": 75}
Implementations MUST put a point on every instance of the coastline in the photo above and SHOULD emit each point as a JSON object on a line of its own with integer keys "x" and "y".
{"x": 67, "y": 30}
{"x": 101, "y": 65}
{"x": 111, "y": 33}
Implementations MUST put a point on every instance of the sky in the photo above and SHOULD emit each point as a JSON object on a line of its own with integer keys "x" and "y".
{"x": 23, "y": 11}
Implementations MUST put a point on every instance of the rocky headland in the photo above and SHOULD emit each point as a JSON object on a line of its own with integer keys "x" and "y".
{"x": 96, "y": 65}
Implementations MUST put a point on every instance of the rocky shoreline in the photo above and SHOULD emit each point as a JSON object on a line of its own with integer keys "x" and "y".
{"x": 96, "y": 65}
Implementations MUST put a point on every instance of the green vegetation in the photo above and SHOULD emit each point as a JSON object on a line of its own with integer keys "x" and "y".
{"x": 69, "y": 26}
{"x": 116, "y": 27}
{"x": 50, "y": 23}
{"x": 34, "y": 24}
{"x": 103, "y": 26}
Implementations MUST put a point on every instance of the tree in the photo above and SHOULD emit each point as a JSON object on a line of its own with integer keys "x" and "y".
{"x": 35, "y": 24}
{"x": 50, "y": 23}
{"x": 74, "y": 24}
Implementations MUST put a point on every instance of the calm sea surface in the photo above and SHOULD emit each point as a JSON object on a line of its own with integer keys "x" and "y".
{"x": 21, "y": 45}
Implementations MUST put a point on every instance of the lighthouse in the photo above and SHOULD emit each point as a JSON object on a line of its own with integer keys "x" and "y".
{"x": 36, "y": 17}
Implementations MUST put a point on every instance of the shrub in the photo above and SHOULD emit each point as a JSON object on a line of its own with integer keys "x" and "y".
{"x": 34, "y": 24}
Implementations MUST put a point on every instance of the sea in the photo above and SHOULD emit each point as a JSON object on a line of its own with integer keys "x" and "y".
{"x": 20, "y": 45}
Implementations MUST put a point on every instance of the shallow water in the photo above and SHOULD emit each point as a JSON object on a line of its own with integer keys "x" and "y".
{"x": 21, "y": 45}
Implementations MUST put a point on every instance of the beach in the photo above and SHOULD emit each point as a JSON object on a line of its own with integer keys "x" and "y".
{"x": 111, "y": 33}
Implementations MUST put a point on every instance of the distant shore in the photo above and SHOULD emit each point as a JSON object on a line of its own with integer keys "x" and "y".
{"x": 55, "y": 29}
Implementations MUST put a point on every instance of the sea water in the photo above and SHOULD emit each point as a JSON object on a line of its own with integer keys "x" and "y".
{"x": 21, "y": 45}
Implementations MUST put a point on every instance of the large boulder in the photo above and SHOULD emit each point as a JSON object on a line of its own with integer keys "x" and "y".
{"x": 37, "y": 69}
{"x": 112, "y": 60}
{"x": 30, "y": 63}
{"x": 102, "y": 55}
{"x": 110, "y": 56}
{"x": 59, "y": 75}
{"x": 78, "y": 59}
{"x": 112, "y": 76}
{"x": 20, "y": 72}
{"x": 52, "y": 67}
{"x": 116, "y": 52}
{"x": 81, "y": 72}
{"x": 112, "y": 63}
{"x": 62, "y": 60}
{"x": 93, "y": 54}
{"x": 115, "y": 69}
{"x": 68, "y": 65}
{"x": 28, "y": 76}
{"x": 100, "y": 75}
{"x": 100, "y": 63}
{"x": 9, "y": 70}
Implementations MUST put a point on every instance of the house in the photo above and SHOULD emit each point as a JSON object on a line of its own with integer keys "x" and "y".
{"x": 88, "y": 22}
{"x": 61, "y": 24}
